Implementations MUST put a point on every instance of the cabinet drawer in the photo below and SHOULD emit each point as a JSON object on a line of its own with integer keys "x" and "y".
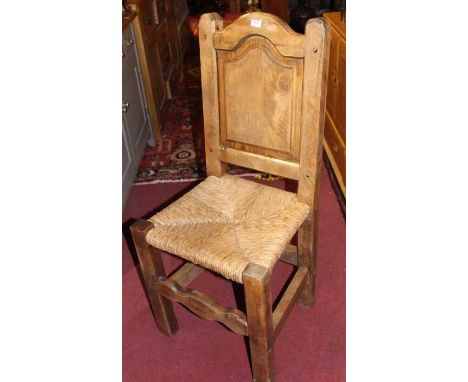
{"x": 337, "y": 149}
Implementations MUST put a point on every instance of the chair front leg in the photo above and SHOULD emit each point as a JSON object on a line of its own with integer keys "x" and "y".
{"x": 152, "y": 268}
{"x": 259, "y": 321}
{"x": 307, "y": 256}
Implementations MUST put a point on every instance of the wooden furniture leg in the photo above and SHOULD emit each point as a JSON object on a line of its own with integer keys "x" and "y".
{"x": 259, "y": 321}
{"x": 307, "y": 256}
{"x": 152, "y": 268}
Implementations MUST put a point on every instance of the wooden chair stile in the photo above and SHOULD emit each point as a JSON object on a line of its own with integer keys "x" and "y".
{"x": 263, "y": 89}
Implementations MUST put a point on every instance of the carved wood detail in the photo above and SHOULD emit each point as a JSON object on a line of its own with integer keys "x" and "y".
{"x": 260, "y": 100}
{"x": 288, "y": 42}
{"x": 203, "y": 305}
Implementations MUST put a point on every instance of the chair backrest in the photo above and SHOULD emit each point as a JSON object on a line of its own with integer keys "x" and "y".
{"x": 264, "y": 89}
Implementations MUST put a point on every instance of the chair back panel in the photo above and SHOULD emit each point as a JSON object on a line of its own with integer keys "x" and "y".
{"x": 263, "y": 94}
{"x": 260, "y": 94}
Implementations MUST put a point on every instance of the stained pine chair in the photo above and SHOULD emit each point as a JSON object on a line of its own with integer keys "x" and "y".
{"x": 263, "y": 104}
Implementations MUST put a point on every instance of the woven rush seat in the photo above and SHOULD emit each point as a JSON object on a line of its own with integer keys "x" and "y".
{"x": 225, "y": 223}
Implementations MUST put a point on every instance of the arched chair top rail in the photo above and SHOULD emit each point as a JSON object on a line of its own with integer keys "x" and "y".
{"x": 288, "y": 42}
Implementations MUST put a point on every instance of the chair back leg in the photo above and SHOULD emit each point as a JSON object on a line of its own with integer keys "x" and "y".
{"x": 307, "y": 256}
{"x": 152, "y": 269}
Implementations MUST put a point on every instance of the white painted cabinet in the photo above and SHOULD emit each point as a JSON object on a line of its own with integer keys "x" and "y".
{"x": 136, "y": 129}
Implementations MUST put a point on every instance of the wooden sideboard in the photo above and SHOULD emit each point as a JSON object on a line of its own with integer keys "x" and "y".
{"x": 276, "y": 7}
{"x": 162, "y": 36}
{"x": 335, "y": 119}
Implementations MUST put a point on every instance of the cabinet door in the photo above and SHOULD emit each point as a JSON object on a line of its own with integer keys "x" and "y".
{"x": 135, "y": 120}
{"x": 341, "y": 98}
{"x": 134, "y": 106}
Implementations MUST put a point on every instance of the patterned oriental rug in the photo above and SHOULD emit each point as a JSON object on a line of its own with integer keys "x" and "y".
{"x": 180, "y": 154}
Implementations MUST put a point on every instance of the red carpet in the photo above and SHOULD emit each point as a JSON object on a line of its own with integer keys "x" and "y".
{"x": 311, "y": 346}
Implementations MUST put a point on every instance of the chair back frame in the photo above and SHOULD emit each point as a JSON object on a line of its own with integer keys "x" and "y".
{"x": 264, "y": 90}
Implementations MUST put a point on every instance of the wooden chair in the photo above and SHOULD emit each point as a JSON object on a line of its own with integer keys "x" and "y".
{"x": 263, "y": 104}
